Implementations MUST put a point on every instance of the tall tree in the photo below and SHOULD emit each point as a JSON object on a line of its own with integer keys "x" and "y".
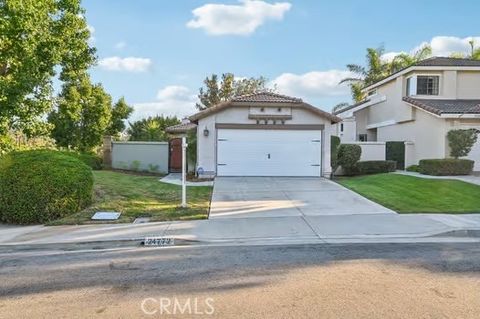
{"x": 36, "y": 39}
{"x": 404, "y": 60}
{"x": 377, "y": 68}
{"x": 215, "y": 92}
{"x": 82, "y": 115}
{"x": 151, "y": 128}
{"x": 120, "y": 112}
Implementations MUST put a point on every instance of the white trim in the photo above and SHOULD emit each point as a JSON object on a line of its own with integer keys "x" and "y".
{"x": 380, "y": 99}
{"x": 421, "y": 68}
{"x": 458, "y": 116}
{"x": 381, "y": 124}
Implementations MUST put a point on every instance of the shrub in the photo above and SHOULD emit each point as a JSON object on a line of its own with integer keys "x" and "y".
{"x": 461, "y": 142}
{"x": 334, "y": 143}
{"x": 91, "y": 159}
{"x": 413, "y": 168}
{"x": 375, "y": 167}
{"x": 395, "y": 151}
{"x": 40, "y": 185}
{"x": 448, "y": 166}
{"x": 348, "y": 156}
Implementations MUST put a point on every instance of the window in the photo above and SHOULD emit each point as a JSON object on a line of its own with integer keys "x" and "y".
{"x": 427, "y": 85}
{"x": 362, "y": 137}
{"x": 372, "y": 92}
{"x": 341, "y": 127}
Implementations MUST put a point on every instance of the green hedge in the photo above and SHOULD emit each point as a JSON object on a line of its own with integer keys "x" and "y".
{"x": 93, "y": 160}
{"x": 413, "y": 168}
{"x": 334, "y": 144}
{"x": 375, "y": 167}
{"x": 38, "y": 186}
{"x": 448, "y": 166}
{"x": 395, "y": 151}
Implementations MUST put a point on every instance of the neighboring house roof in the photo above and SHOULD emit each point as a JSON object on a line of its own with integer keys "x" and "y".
{"x": 431, "y": 62}
{"x": 440, "y": 107}
{"x": 263, "y": 99}
{"x": 181, "y": 128}
{"x": 266, "y": 97}
{"x": 445, "y": 61}
{"x": 350, "y": 107}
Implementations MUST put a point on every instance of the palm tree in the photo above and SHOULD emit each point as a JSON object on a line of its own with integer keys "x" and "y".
{"x": 404, "y": 60}
{"x": 378, "y": 68}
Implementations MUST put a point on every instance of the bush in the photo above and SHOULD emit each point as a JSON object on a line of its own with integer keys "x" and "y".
{"x": 395, "y": 151}
{"x": 348, "y": 156}
{"x": 38, "y": 186}
{"x": 375, "y": 167}
{"x": 413, "y": 168}
{"x": 449, "y": 166}
{"x": 461, "y": 142}
{"x": 90, "y": 159}
{"x": 334, "y": 143}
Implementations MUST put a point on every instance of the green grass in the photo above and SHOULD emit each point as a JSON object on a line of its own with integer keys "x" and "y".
{"x": 408, "y": 194}
{"x": 141, "y": 196}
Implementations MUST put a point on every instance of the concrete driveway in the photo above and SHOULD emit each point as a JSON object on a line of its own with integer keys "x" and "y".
{"x": 241, "y": 197}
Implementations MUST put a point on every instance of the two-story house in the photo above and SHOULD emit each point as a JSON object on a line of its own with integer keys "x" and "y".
{"x": 420, "y": 104}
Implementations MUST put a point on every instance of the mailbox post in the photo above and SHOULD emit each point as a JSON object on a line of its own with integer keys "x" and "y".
{"x": 184, "y": 172}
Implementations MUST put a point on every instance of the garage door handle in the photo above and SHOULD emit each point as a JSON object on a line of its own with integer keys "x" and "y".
{"x": 221, "y": 164}
{"x": 315, "y": 165}
{"x": 316, "y": 141}
{"x": 268, "y": 156}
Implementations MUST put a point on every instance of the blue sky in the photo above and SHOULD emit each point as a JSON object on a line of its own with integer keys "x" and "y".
{"x": 157, "y": 53}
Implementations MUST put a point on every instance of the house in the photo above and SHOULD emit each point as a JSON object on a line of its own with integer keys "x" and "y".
{"x": 418, "y": 104}
{"x": 263, "y": 134}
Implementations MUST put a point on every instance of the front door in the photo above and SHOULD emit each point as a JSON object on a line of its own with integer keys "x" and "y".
{"x": 175, "y": 165}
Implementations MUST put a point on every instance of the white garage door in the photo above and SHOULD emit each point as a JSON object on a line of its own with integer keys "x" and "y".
{"x": 268, "y": 152}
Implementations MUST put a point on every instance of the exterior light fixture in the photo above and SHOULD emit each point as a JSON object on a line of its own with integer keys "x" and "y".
{"x": 206, "y": 132}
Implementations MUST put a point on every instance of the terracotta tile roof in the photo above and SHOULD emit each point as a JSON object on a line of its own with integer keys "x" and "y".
{"x": 261, "y": 99}
{"x": 440, "y": 107}
{"x": 181, "y": 128}
{"x": 445, "y": 61}
{"x": 267, "y": 97}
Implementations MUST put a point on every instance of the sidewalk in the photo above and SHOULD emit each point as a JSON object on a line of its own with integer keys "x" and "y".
{"x": 473, "y": 179}
{"x": 288, "y": 229}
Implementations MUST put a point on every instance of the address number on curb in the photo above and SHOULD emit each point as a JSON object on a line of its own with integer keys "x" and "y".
{"x": 159, "y": 241}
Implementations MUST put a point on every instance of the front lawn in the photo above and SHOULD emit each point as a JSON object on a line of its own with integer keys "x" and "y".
{"x": 141, "y": 196}
{"x": 408, "y": 194}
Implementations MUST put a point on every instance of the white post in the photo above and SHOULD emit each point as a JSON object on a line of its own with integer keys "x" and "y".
{"x": 184, "y": 172}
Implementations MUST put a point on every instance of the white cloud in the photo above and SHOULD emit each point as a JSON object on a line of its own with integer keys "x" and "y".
{"x": 243, "y": 19}
{"x": 171, "y": 100}
{"x": 92, "y": 39}
{"x": 120, "y": 45}
{"x": 313, "y": 85}
{"x": 129, "y": 64}
{"x": 442, "y": 46}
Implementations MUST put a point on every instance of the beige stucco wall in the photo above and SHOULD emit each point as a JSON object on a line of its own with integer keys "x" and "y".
{"x": 206, "y": 146}
{"x": 468, "y": 85}
{"x": 426, "y": 131}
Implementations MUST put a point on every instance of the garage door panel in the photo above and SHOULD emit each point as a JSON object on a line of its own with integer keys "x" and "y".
{"x": 268, "y": 153}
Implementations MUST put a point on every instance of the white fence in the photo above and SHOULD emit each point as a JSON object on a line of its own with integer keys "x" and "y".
{"x": 141, "y": 156}
{"x": 371, "y": 151}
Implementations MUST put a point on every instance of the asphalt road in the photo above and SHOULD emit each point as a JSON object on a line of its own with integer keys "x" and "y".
{"x": 305, "y": 281}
